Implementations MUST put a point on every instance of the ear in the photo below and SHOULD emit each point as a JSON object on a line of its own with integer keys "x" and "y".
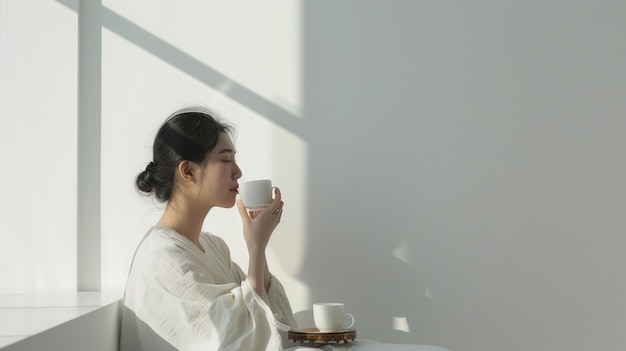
{"x": 186, "y": 171}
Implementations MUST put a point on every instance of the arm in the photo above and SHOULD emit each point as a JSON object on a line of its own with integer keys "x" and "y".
{"x": 268, "y": 277}
{"x": 258, "y": 263}
{"x": 257, "y": 272}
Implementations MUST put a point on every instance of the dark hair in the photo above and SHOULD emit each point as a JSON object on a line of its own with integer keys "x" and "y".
{"x": 188, "y": 134}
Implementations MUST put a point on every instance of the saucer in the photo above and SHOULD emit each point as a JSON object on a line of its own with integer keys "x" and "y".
{"x": 314, "y": 335}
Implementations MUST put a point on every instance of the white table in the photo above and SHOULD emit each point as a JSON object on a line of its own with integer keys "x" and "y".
{"x": 23, "y": 315}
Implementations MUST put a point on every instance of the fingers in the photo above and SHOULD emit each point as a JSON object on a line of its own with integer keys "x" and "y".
{"x": 278, "y": 196}
{"x": 278, "y": 210}
{"x": 273, "y": 208}
{"x": 276, "y": 205}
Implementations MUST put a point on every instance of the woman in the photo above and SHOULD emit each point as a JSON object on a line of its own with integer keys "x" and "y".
{"x": 183, "y": 290}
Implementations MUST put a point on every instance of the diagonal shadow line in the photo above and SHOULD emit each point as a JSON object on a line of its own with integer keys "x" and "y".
{"x": 195, "y": 68}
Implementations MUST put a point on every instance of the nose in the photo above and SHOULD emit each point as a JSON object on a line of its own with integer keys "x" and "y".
{"x": 237, "y": 172}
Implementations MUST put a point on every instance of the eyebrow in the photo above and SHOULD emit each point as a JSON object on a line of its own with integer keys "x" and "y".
{"x": 227, "y": 151}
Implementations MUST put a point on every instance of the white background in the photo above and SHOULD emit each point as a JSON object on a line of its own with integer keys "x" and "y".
{"x": 454, "y": 172}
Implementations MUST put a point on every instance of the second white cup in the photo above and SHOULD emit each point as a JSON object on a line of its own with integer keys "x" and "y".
{"x": 329, "y": 317}
{"x": 256, "y": 194}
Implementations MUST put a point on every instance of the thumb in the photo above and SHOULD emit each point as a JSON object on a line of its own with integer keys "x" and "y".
{"x": 242, "y": 210}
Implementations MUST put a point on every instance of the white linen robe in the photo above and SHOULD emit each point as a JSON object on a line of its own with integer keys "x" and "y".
{"x": 178, "y": 297}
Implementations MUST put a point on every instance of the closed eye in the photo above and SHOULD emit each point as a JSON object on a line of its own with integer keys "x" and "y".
{"x": 229, "y": 153}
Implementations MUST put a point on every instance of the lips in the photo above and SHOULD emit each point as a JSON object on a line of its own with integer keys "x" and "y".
{"x": 235, "y": 189}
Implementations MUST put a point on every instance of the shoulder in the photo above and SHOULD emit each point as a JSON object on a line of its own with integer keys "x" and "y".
{"x": 162, "y": 246}
{"x": 213, "y": 239}
{"x": 215, "y": 244}
{"x": 165, "y": 239}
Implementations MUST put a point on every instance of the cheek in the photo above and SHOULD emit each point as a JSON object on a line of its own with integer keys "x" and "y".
{"x": 218, "y": 177}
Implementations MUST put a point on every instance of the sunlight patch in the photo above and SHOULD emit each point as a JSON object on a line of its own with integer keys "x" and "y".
{"x": 401, "y": 324}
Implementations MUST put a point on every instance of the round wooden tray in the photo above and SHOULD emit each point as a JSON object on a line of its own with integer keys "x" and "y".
{"x": 313, "y": 335}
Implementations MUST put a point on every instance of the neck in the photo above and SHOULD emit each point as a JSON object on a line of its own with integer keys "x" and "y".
{"x": 184, "y": 218}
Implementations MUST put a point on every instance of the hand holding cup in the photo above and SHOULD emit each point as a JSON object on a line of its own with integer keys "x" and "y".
{"x": 259, "y": 213}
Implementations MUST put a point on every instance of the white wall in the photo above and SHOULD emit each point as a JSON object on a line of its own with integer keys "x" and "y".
{"x": 454, "y": 172}
{"x": 471, "y": 158}
{"x": 38, "y": 92}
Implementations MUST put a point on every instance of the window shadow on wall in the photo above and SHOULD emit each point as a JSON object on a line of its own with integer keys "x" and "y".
{"x": 193, "y": 67}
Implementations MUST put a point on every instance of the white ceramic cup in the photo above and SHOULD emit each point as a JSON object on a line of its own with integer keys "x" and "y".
{"x": 329, "y": 317}
{"x": 256, "y": 194}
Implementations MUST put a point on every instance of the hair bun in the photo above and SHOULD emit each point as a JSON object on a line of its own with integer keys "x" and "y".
{"x": 151, "y": 167}
{"x": 145, "y": 180}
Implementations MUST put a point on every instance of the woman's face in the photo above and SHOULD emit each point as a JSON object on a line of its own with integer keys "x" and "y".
{"x": 219, "y": 180}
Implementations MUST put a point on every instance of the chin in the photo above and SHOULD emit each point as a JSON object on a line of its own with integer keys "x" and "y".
{"x": 227, "y": 204}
